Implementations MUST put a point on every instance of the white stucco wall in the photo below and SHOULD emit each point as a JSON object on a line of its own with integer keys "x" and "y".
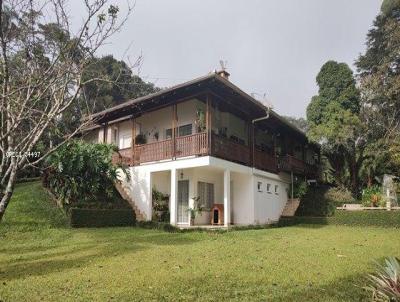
{"x": 268, "y": 206}
{"x": 242, "y": 199}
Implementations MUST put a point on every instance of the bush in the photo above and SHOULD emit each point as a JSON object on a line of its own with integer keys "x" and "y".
{"x": 372, "y": 197}
{"x": 381, "y": 218}
{"x": 316, "y": 203}
{"x": 101, "y": 217}
{"x": 339, "y": 196}
{"x": 81, "y": 172}
{"x": 300, "y": 189}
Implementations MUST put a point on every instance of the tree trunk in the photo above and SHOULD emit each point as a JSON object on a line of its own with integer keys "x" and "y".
{"x": 354, "y": 181}
{"x": 7, "y": 193}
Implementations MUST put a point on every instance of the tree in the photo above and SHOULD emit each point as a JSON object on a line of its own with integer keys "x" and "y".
{"x": 122, "y": 84}
{"x": 42, "y": 63}
{"x": 379, "y": 77}
{"x": 333, "y": 117}
{"x": 299, "y": 122}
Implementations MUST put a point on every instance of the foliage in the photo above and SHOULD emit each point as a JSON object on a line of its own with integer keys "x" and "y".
{"x": 43, "y": 60}
{"x": 298, "y": 122}
{"x": 377, "y": 218}
{"x": 384, "y": 284}
{"x": 333, "y": 117}
{"x": 373, "y": 197}
{"x": 316, "y": 203}
{"x": 299, "y": 189}
{"x": 200, "y": 120}
{"x": 379, "y": 77}
{"x": 140, "y": 139}
{"x": 198, "y": 208}
{"x": 101, "y": 217}
{"x": 160, "y": 206}
{"x": 119, "y": 84}
{"x": 339, "y": 196}
{"x": 82, "y": 172}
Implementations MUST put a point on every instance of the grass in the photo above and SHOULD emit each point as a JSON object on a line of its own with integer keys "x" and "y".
{"x": 41, "y": 259}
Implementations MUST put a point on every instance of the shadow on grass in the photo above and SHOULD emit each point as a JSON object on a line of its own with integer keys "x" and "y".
{"x": 90, "y": 245}
{"x": 230, "y": 288}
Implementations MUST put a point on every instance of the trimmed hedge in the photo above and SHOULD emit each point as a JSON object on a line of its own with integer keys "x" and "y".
{"x": 381, "y": 218}
{"x": 101, "y": 217}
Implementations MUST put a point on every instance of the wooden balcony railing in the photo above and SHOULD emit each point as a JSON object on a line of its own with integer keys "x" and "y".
{"x": 227, "y": 149}
{"x": 153, "y": 151}
{"x": 265, "y": 161}
{"x": 195, "y": 144}
{"x": 123, "y": 156}
{"x": 222, "y": 147}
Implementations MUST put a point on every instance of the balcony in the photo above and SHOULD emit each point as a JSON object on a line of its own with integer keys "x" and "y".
{"x": 289, "y": 163}
{"x": 221, "y": 147}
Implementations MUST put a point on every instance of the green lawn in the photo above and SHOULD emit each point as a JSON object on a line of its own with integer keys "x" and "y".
{"x": 43, "y": 260}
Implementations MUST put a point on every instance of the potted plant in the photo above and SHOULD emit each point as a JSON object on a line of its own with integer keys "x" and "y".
{"x": 140, "y": 139}
{"x": 200, "y": 120}
{"x": 196, "y": 209}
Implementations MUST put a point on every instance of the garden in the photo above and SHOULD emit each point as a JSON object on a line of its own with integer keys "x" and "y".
{"x": 44, "y": 259}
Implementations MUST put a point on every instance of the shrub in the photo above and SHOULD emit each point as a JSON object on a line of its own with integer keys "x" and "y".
{"x": 384, "y": 284}
{"x": 380, "y": 218}
{"x": 339, "y": 196}
{"x": 81, "y": 172}
{"x": 316, "y": 203}
{"x": 160, "y": 206}
{"x": 300, "y": 189}
{"x": 372, "y": 197}
{"x": 101, "y": 217}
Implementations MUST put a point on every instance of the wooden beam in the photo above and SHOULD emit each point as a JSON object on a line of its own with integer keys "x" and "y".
{"x": 208, "y": 122}
{"x": 133, "y": 139}
{"x": 105, "y": 130}
{"x": 174, "y": 123}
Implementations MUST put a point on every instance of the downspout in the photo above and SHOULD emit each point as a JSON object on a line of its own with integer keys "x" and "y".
{"x": 253, "y": 140}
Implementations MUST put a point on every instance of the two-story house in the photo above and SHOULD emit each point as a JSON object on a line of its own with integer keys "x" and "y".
{"x": 207, "y": 140}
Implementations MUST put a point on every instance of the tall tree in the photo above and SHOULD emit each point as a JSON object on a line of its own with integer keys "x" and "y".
{"x": 379, "y": 75}
{"x": 333, "y": 117}
{"x": 42, "y": 62}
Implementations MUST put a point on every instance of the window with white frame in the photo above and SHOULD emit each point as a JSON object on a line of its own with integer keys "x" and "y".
{"x": 268, "y": 188}
{"x": 125, "y": 141}
{"x": 205, "y": 192}
{"x": 276, "y": 189}
{"x": 185, "y": 130}
{"x": 259, "y": 186}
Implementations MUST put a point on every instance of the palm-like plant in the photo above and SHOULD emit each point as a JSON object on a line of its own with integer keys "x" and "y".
{"x": 385, "y": 282}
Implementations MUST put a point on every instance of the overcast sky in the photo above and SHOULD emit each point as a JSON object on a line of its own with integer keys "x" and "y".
{"x": 272, "y": 46}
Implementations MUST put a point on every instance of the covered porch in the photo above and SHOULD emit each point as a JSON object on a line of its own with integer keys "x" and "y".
{"x": 204, "y": 196}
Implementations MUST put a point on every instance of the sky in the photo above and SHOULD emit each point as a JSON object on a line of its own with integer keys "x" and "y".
{"x": 274, "y": 47}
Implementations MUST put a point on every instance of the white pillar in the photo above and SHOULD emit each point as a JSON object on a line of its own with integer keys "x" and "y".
{"x": 227, "y": 197}
{"x": 173, "y": 197}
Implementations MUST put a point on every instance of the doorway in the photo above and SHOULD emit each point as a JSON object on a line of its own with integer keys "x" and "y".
{"x": 183, "y": 201}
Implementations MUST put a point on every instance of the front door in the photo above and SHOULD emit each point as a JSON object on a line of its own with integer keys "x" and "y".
{"x": 183, "y": 201}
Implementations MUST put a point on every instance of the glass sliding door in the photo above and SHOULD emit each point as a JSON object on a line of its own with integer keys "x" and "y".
{"x": 183, "y": 201}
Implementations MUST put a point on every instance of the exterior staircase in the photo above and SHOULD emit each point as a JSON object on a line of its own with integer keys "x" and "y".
{"x": 123, "y": 189}
{"x": 291, "y": 207}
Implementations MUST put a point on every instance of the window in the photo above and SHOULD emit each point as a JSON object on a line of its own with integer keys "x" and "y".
{"x": 205, "y": 192}
{"x": 185, "y": 130}
{"x": 182, "y": 131}
{"x": 125, "y": 141}
{"x": 168, "y": 133}
{"x": 259, "y": 184}
{"x": 276, "y": 189}
{"x": 269, "y": 188}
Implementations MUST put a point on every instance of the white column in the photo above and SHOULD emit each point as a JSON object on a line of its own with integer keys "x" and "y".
{"x": 227, "y": 197}
{"x": 173, "y": 197}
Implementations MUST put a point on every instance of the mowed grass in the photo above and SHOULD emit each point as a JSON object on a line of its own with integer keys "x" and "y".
{"x": 41, "y": 259}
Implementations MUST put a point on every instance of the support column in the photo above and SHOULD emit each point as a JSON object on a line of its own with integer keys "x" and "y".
{"x": 227, "y": 197}
{"x": 174, "y": 130}
{"x": 208, "y": 123}
{"x": 133, "y": 140}
{"x": 173, "y": 197}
